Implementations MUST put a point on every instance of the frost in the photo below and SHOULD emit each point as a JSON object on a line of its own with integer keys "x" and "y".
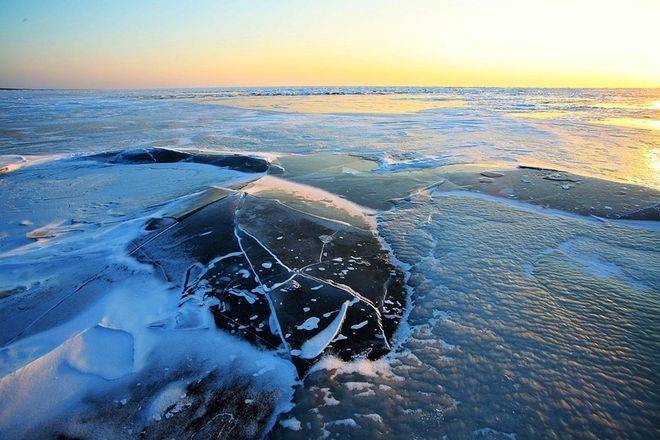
{"x": 327, "y": 397}
{"x": 291, "y": 423}
{"x": 358, "y": 386}
{"x": 364, "y": 367}
{"x": 343, "y": 422}
{"x": 375, "y": 417}
{"x": 168, "y": 402}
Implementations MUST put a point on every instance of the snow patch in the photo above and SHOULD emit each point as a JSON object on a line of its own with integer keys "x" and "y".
{"x": 365, "y": 367}
{"x": 375, "y": 417}
{"x": 291, "y": 423}
{"x": 360, "y": 325}
{"x": 309, "y": 324}
{"x": 343, "y": 422}
{"x": 315, "y": 345}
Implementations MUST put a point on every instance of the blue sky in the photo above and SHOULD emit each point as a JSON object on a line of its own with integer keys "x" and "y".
{"x": 419, "y": 42}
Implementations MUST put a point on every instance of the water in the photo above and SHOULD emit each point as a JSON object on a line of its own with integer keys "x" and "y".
{"x": 524, "y": 322}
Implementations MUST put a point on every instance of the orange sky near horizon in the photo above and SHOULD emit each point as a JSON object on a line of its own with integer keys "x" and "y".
{"x": 507, "y": 43}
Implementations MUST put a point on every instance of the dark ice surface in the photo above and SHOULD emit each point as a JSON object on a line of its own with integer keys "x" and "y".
{"x": 162, "y": 155}
{"x": 273, "y": 268}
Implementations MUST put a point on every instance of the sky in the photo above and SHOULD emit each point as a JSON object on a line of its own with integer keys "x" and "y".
{"x": 502, "y": 43}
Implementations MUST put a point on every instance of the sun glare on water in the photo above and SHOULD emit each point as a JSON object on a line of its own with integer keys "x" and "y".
{"x": 380, "y": 104}
{"x": 643, "y": 124}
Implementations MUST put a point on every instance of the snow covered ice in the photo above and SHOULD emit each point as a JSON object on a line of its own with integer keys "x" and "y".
{"x": 465, "y": 263}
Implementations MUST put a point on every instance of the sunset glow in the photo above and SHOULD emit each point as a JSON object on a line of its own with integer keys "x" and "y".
{"x": 230, "y": 43}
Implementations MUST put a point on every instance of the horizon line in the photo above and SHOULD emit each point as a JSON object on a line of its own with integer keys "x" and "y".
{"x": 2, "y": 88}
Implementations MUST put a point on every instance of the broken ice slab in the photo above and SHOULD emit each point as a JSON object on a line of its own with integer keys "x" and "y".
{"x": 163, "y": 155}
{"x": 313, "y": 200}
{"x": 187, "y": 205}
{"x": 561, "y": 190}
{"x": 356, "y": 179}
{"x": 271, "y": 268}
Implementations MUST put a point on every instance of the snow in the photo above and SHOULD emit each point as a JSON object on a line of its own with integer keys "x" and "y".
{"x": 490, "y": 433}
{"x": 291, "y": 423}
{"x": 358, "y": 386}
{"x": 365, "y": 367}
{"x": 122, "y": 327}
{"x": 469, "y": 271}
{"x": 119, "y": 344}
{"x": 366, "y": 393}
{"x": 102, "y": 351}
{"x": 328, "y": 399}
{"x": 309, "y": 324}
{"x": 316, "y": 344}
{"x": 344, "y": 422}
{"x": 359, "y": 325}
{"x": 551, "y": 212}
{"x": 167, "y": 401}
{"x": 311, "y": 194}
{"x": 13, "y": 162}
{"x": 406, "y": 162}
{"x": 375, "y": 417}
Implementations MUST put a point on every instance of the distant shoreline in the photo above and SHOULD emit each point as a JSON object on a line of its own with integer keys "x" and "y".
{"x": 319, "y": 87}
{"x": 9, "y": 89}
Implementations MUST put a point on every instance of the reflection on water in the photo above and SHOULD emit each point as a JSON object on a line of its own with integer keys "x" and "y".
{"x": 337, "y": 103}
{"x": 653, "y": 157}
{"x": 624, "y": 104}
{"x": 644, "y": 124}
{"x": 549, "y": 114}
